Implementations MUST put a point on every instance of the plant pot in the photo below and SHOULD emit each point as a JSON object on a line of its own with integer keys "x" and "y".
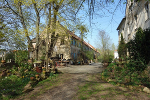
{"x": 105, "y": 64}
{"x": 44, "y": 72}
{"x": 31, "y": 78}
{"x": 44, "y": 68}
{"x": 30, "y": 61}
{"x": 3, "y": 61}
{"x": 37, "y": 76}
{"x": 120, "y": 60}
{"x": 38, "y": 69}
{"x": 8, "y": 74}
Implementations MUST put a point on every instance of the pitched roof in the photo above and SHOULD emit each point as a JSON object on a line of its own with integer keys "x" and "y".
{"x": 78, "y": 38}
{"x": 73, "y": 35}
{"x": 122, "y": 21}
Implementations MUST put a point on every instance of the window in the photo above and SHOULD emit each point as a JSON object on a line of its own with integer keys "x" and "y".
{"x": 135, "y": 0}
{"x": 43, "y": 43}
{"x": 74, "y": 55}
{"x": 131, "y": 7}
{"x": 74, "y": 42}
{"x": 79, "y": 44}
{"x": 146, "y": 11}
{"x": 71, "y": 41}
{"x": 62, "y": 42}
{"x": 60, "y": 56}
{"x": 135, "y": 17}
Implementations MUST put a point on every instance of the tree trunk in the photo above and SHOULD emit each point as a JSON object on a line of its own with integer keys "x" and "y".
{"x": 37, "y": 29}
{"x": 54, "y": 37}
{"x": 24, "y": 25}
{"x": 47, "y": 38}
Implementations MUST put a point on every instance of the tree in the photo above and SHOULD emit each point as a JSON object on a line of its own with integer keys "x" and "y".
{"x": 90, "y": 55}
{"x": 83, "y": 30}
{"x": 104, "y": 45}
{"x": 26, "y": 13}
{"x": 122, "y": 49}
{"x": 8, "y": 37}
{"x": 139, "y": 47}
{"x": 2, "y": 25}
{"x": 16, "y": 15}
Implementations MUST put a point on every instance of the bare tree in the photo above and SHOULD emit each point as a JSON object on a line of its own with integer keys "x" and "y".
{"x": 104, "y": 44}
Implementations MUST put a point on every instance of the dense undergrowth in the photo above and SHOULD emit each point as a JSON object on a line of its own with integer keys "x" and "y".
{"x": 126, "y": 73}
{"x": 132, "y": 69}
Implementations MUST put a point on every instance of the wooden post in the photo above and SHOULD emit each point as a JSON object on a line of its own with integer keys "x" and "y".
{"x": 2, "y": 57}
{"x": 5, "y": 55}
{"x": 61, "y": 60}
{"x": 15, "y": 57}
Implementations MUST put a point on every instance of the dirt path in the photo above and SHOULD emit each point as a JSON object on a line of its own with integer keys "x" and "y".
{"x": 82, "y": 69}
{"x": 85, "y": 85}
{"x": 63, "y": 87}
{"x": 66, "y": 91}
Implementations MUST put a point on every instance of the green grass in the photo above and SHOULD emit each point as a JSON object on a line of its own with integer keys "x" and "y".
{"x": 88, "y": 90}
{"x": 104, "y": 96}
{"x": 82, "y": 98}
{"x": 127, "y": 94}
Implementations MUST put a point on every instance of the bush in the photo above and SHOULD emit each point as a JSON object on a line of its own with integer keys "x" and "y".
{"x": 10, "y": 55}
{"x": 21, "y": 57}
{"x": 130, "y": 74}
{"x": 122, "y": 49}
{"x": 136, "y": 65}
{"x": 139, "y": 47}
{"x": 12, "y": 84}
{"x": 133, "y": 70}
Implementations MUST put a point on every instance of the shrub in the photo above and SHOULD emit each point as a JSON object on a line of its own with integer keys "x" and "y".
{"x": 139, "y": 47}
{"x": 136, "y": 65}
{"x": 122, "y": 49}
{"x": 10, "y": 55}
{"x": 21, "y": 57}
{"x": 12, "y": 84}
{"x": 130, "y": 74}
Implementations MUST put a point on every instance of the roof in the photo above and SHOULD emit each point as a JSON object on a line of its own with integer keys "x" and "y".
{"x": 78, "y": 38}
{"x": 122, "y": 21}
{"x": 34, "y": 40}
{"x": 75, "y": 36}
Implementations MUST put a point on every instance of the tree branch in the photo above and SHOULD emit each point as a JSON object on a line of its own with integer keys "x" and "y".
{"x": 11, "y": 9}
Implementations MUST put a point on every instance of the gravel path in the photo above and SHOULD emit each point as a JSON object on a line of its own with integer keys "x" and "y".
{"x": 76, "y": 69}
{"x": 82, "y": 80}
{"x": 68, "y": 90}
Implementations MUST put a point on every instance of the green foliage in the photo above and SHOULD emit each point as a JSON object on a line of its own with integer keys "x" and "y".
{"x": 111, "y": 57}
{"x": 107, "y": 58}
{"x": 122, "y": 50}
{"x": 30, "y": 74}
{"x": 21, "y": 57}
{"x": 139, "y": 47}
{"x": 106, "y": 49}
{"x": 136, "y": 65}
{"x": 2, "y": 26}
{"x": 12, "y": 84}
{"x": 132, "y": 73}
{"x": 10, "y": 55}
{"x": 90, "y": 55}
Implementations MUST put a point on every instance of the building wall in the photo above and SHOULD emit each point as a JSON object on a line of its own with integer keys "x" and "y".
{"x": 121, "y": 29}
{"x": 63, "y": 48}
{"x": 137, "y": 15}
{"x": 75, "y": 48}
{"x": 67, "y": 44}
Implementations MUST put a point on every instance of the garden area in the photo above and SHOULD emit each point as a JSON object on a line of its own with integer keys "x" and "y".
{"x": 20, "y": 76}
{"x": 132, "y": 70}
